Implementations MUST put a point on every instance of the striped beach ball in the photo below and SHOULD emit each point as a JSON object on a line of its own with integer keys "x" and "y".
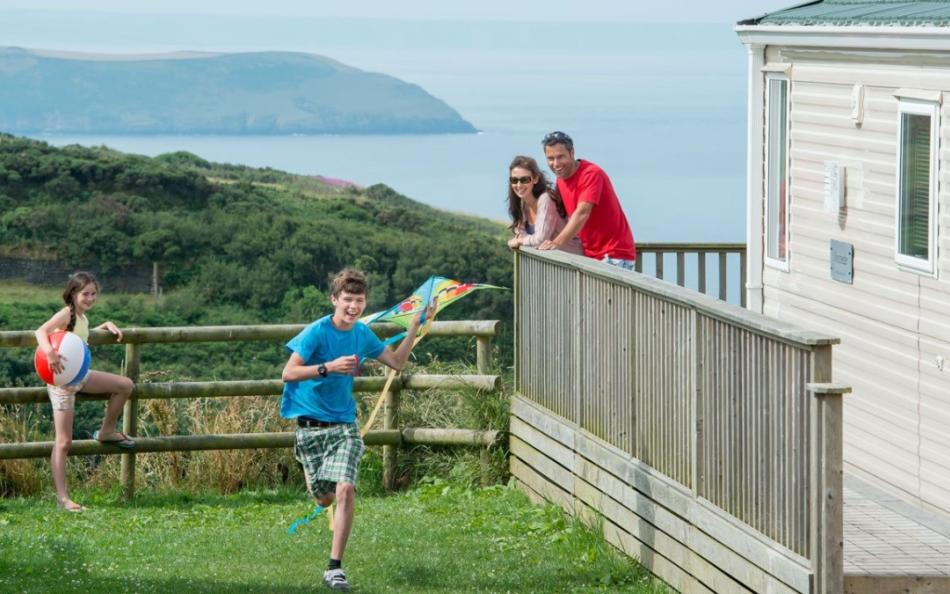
{"x": 74, "y": 354}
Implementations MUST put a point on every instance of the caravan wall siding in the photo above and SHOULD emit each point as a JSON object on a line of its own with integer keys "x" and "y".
{"x": 894, "y": 324}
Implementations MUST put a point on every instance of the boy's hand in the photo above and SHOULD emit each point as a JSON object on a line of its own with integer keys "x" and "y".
{"x": 417, "y": 319}
{"x": 347, "y": 364}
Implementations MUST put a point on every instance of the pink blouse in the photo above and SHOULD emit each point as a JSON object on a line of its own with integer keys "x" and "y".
{"x": 547, "y": 224}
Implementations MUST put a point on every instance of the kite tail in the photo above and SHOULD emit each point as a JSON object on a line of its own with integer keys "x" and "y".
{"x": 301, "y": 521}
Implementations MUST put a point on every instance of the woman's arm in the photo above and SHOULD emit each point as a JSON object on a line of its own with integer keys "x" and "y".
{"x": 519, "y": 239}
{"x": 546, "y": 222}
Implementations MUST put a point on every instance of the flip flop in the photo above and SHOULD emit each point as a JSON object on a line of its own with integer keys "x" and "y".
{"x": 74, "y": 509}
{"x": 125, "y": 443}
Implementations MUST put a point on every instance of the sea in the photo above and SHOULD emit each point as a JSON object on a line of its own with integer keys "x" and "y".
{"x": 660, "y": 107}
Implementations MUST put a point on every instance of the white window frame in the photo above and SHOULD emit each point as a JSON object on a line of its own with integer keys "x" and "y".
{"x": 766, "y": 238}
{"x": 909, "y": 263}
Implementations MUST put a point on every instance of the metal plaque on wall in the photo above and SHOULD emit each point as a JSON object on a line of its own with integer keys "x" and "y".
{"x": 842, "y": 261}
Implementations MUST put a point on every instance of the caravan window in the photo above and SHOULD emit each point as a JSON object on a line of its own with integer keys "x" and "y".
{"x": 776, "y": 203}
{"x": 917, "y": 134}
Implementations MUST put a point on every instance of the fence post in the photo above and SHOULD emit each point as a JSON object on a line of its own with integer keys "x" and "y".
{"x": 130, "y": 421}
{"x": 483, "y": 354}
{"x": 827, "y": 517}
{"x": 390, "y": 419}
{"x": 484, "y": 465}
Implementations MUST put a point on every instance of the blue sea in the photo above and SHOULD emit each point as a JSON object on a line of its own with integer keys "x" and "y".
{"x": 662, "y": 108}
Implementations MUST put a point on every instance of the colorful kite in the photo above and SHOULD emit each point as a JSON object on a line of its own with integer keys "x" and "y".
{"x": 443, "y": 290}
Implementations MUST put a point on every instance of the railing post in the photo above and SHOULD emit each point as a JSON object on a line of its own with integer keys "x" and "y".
{"x": 743, "y": 264}
{"x": 516, "y": 343}
{"x": 723, "y": 276}
{"x": 130, "y": 421}
{"x": 827, "y": 517}
{"x": 483, "y": 354}
{"x": 390, "y": 419}
{"x": 701, "y": 272}
{"x": 696, "y": 406}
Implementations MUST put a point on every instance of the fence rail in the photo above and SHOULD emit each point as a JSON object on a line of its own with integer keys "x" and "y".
{"x": 236, "y": 441}
{"x": 720, "y": 400}
{"x": 390, "y": 436}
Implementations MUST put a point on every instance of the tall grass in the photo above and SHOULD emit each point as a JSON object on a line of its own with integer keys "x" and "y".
{"x": 20, "y": 477}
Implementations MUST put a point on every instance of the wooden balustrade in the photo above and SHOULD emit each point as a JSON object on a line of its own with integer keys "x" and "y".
{"x": 712, "y": 429}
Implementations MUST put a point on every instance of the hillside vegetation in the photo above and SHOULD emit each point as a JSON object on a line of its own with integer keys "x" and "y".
{"x": 230, "y": 234}
{"x": 209, "y": 93}
{"x": 235, "y": 244}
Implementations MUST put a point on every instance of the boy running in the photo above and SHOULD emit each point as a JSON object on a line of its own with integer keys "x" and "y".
{"x": 318, "y": 392}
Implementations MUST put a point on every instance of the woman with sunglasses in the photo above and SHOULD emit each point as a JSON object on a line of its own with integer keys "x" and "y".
{"x": 536, "y": 213}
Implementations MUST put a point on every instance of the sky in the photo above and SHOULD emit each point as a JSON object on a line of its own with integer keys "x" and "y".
{"x": 676, "y": 11}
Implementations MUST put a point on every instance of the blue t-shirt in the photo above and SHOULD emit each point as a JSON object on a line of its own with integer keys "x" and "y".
{"x": 330, "y": 398}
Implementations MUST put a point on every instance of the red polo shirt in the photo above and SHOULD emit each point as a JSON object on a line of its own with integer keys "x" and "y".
{"x": 606, "y": 232}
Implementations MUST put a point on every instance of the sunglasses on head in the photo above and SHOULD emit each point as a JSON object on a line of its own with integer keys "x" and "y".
{"x": 520, "y": 180}
{"x": 557, "y": 137}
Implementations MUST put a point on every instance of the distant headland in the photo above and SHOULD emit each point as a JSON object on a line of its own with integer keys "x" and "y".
{"x": 210, "y": 93}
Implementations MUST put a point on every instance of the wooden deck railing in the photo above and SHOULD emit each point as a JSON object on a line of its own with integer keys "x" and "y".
{"x": 390, "y": 436}
{"x": 734, "y": 407}
{"x": 693, "y": 263}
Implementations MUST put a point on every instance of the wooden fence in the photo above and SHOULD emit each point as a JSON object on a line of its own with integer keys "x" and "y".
{"x": 389, "y": 437}
{"x": 700, "y": 266}
{"x": 707, "y": 437}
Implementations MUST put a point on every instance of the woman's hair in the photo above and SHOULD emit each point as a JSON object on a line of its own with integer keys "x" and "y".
{"x": 75, "y": 284}
{"x": 542, "y": 186}
{"x": 350, "y": 280}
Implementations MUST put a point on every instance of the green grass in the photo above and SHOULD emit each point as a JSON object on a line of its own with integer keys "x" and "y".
{"x": 22, "y": 292}
{"x": 436, "y": 538}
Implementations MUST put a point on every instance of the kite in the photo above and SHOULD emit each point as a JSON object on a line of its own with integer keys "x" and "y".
{"x": 443, "y": 290}
{"x": 438, "y": 289}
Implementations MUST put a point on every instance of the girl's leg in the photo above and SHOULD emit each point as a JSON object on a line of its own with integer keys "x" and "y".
{"x": 120, "y": 388}
{"x": 63, "y": 424}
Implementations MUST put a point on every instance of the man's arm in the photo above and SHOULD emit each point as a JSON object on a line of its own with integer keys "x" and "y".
{"x": 573, "y": 227}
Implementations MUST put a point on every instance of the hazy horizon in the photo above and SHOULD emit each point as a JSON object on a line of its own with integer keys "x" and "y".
{"x": 552, "y": 11}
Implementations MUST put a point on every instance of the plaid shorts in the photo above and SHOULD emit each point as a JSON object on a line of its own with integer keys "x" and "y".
{"x": 329, "y": 455}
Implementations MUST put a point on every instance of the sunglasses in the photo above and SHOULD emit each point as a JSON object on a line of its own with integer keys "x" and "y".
{"x": 520, "y": 180}
{"x": 558, "y": 137}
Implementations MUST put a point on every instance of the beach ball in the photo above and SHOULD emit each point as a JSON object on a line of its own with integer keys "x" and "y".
{"x": 74, "y": 354}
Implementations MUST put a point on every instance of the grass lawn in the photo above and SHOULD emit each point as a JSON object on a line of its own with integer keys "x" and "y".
{"x": 436, "y": 538}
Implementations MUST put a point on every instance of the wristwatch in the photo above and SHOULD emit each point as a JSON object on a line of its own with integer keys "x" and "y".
{"x": 322, "y": 370}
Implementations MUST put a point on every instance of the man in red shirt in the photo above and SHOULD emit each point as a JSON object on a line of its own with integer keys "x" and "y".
{"x": 592, "y": 205}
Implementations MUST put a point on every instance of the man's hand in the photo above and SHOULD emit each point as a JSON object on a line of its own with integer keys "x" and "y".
{"x": 550, "y": 244}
